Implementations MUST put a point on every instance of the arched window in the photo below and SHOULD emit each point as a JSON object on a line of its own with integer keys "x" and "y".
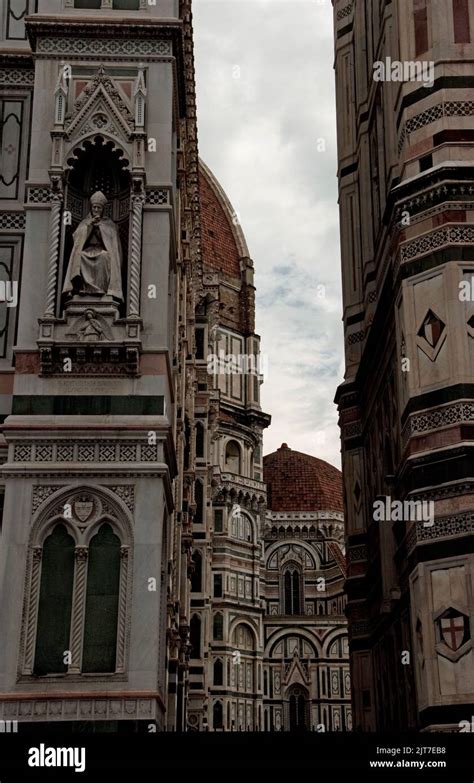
{"x": 243, "y": 638}
{"x": 298, "y": 709}
{"x": 103, "y": 581}
{"x": 199, "y": 499}
{"x": 78, "y": 591}
{"x": 217, "y": 715}
{"x": 199, "y": 440}
{"x": 195, "y": 636}
{"x": 218, "y": 673}
{"x": 218, "y": 627}
{"x": 241, "y": 527}
{"x": 55, "y": 603}
{"x": 196, "y": 579}
{"x": 292, "y": 590}
{"x": 232, "y": 457}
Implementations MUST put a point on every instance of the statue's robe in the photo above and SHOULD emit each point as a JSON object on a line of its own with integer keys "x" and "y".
{"x": 95, "y": 265}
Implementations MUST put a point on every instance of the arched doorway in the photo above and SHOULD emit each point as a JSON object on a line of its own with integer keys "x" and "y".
{"x": 298, "y": 708}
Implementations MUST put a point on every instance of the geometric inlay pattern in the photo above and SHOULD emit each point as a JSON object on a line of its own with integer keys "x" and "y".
{"x": 12, "y": 220}
{"x": 448, "y": 235}
{"x": 127, "y": 47}
{"x": 343, "y": 12}
{"x": 86, "y": 451}
{"x": 448, "y": 109}
{"x": 156, "y": 196}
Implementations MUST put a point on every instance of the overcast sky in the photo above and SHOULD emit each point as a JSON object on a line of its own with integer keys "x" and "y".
{"x": 266, "y": 122}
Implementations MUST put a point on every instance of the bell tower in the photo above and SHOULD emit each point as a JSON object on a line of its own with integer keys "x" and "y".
{"x": 99, "y": 232}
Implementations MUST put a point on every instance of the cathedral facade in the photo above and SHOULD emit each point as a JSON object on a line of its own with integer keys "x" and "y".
{"x": 406, "y": 185}
{"x": 146, "y": 582}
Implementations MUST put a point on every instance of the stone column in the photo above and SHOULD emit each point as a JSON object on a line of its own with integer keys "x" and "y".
{"x": 54, "y": 238}
{"x": 32, "y": 607}
{"x": 78, "y": 609}
{"x": 138, "y": 200}
{"x": 122, "y": 610}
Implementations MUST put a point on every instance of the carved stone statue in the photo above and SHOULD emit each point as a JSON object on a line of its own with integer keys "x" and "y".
{"x": 96, "y": 258}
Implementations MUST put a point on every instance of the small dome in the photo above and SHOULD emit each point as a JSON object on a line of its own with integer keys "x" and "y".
{"x": 299, "y": 482}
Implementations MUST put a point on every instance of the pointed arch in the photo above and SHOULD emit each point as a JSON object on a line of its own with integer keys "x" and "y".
{"x": 55, "y": 603}
{"x": 102, "y": 602}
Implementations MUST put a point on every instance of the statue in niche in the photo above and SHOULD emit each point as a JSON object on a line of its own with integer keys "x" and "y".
{"x": 95, "y": 264}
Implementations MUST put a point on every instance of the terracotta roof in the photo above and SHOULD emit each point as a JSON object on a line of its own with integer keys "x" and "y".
{"x": 299, "y": 482}
{"x": 223, "y": 242}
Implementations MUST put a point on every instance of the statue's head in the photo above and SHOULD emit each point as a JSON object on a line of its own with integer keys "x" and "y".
{"x": 98, "y": 202}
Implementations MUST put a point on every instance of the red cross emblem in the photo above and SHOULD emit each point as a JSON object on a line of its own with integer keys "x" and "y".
{"x": 453, "y": 630}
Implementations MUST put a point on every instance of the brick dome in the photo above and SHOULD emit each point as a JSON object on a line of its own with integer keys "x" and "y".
{"x": 299, "y": 482}
{"x": 223, "y": 241}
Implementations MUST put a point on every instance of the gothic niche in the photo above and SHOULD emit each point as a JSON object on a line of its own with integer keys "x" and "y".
{"x": 92, "y": 315}
{"x": 97, "y": 189}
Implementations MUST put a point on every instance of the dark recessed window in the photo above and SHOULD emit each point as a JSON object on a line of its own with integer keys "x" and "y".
{"x": 218, "y": 673}
{"x": 200, "y": 334}
{"x": 126, "y": 5}
{"x": 426, "y": 163}
{"x": 103, "y": 579}
{"x": 86, "y": 3}
{"x": 218, "y": 627}
{"x": 55, "y": 603}
{"x": 218, "y": 521}
{"x": 217, "y": 585}
{"x": 199, "y": 440}
{"x": 195, "y": 636}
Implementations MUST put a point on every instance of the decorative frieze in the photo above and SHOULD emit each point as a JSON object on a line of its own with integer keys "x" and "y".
{"x": 448, "y": 235}
{"x": 90, "y": 708}
{"x": 437, "y": 418}
{"x": 443, "y": 527}
{"x": 86, "y": 451}
{"x": 105, "y": 48}
{"x": 434, "y": 113}
{"x": 16, "y": 77}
